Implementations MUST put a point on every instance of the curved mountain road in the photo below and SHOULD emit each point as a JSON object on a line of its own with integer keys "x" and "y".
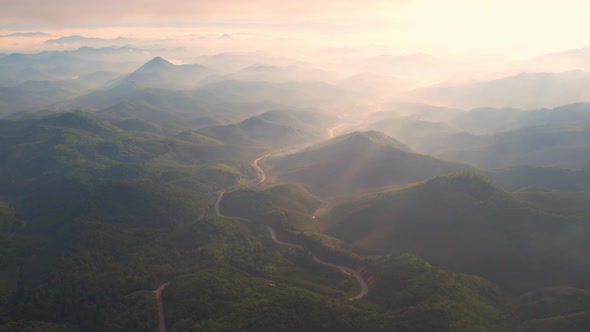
{"x": 261, "y": 174}
{"x": 161, "y": 321}
{"x": 273, "y": 234}
{"x": 158, "y": 296}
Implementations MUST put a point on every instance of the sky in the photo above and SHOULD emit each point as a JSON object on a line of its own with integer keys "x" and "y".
{"x": 517, "y": 27}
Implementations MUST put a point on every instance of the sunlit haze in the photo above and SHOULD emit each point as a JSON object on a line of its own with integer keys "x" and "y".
{"x": 470, "y": 27}
{"x": 294, "y": 165}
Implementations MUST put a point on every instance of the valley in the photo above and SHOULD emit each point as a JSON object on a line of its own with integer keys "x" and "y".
{"x": 290, "y": 175}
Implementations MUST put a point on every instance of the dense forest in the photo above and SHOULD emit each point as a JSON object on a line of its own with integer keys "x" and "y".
{"x": 284, "y": 204}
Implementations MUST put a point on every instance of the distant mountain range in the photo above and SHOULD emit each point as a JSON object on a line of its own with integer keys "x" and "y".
{"x": 561, "y": 61}
{"x": 16, "y": 68}
{"x": 77, "y": 39}
{"x": 525, "y": 90}
{"x": 26, "y": 34}
{"x": 275, "y": 74}
{"x": 273, "y": 129}
{"x": 561, "y": 146}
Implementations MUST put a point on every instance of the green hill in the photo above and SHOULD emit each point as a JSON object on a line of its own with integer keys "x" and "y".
{"x": 290, "y": 205}
{"x": 79, "y": 145}
{"x": 495, "y": 120}
{"x": 93, "y": 218}
{"x": 514, "y": 178}
{"x": 31, "y": 95}
{"x": 578, "y": 322}
{"x": 299, "y": 118}
{"x": 553, "y": 302}
{"x": 425, "y": 298}
{"x": 164, "y": 100}
{"x": 305, "y": 93}
{"x": 465, "y": 223}
{"x": 81, "y": 121}
{"x": 356, "y": 162}
{"x": 194, "y": 137}
{"x": 271, "y": 129}
{"x": 546, "y": 145}
{"x": 136, "y": 110}
{"x": 137, "y": 125}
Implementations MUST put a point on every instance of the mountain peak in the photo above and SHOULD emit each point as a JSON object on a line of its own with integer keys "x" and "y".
{"x": 157, "y": 62}
{"x": 370, "y": 138}
{"x": 155, "y": 65}
{"x": 468, "y": 183}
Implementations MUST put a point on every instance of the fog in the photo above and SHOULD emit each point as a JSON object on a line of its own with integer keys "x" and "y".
{"x": 259, "y": 165}
{"x": 340, "y": 57}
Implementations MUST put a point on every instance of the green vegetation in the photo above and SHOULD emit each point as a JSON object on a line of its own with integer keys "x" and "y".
{"x": 542, "y": 145}
{"x": 251, "y": 203}
{"x": 272, "y": 129}
{"x": 424, "y": 298}
{"x": 465, "y": 223}
{"x": 515, "y": 178}
{"x": 98, "y": 210}
{"x": 357, "y": 162}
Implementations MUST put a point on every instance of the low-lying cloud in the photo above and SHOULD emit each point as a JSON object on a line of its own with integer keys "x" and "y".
{"x": 76, "y": 12}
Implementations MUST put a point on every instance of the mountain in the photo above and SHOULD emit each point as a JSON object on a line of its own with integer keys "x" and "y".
{"x": 410, "y": 129}
{"x": 425, "y": 112}
{"x": 227, "y": 63}
{"x": 419, "y": 69}
{"x": 134, "y": 210}
{"x": 465, "y": 223}
{"x": 545, "y": 145}
{"x": 561, "y": 61}
{"x": 74, "y": 64}
{"x": 77, "y": 39}
{"x": 25, "y": 34}
{"x": 469, "y": 302}
{"x": 554, "y": 309}
{"x": 525, "y": 90}
{"x": 294, "y": 94}
{"x": 356, "y": 162}
{"x": 549, "y": 178}
{"x": 137, "y": 125}
{"x": 41, "y": 94}
{"x": 125, "y": 100}
{"x": 136, "y": 110}
{"x": 31, "y": 95}
{"x": 17, "y": 68}
{"x": 129, "y": 217}
{"x": 276, "y": 74}
{"x": 287, "y": 207}
{"x": 488, "y": 121}
{"x": 181, "y": 102}
{"x": 160, "y": 73}
{"x": 313, "y": 118}
{"x": 271, "y": 129}
{"x": 80, "y": 121}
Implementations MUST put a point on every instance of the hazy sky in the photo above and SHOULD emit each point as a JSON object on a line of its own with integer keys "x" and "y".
{"x": 524, "y": 27}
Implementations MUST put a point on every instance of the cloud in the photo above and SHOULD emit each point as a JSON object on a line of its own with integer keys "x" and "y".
{"x": 108, "y": 12}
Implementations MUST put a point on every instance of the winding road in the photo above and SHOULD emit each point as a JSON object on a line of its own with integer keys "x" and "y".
{"x": 273, "y": 234}
{"x": 158, "y": 296}
{"x": 261, "y": 174}
{"x": 161, "y": 321}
